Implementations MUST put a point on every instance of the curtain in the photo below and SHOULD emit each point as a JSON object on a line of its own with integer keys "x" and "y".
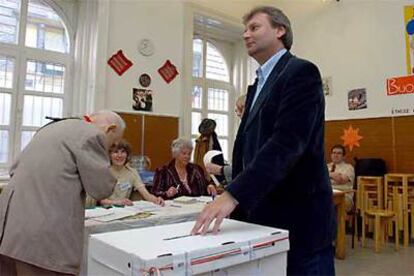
{"x": 91, "y": 42}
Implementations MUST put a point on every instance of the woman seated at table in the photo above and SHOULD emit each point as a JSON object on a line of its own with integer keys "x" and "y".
{"x": 127, "y": 177}
{"x": 180, "y": 177}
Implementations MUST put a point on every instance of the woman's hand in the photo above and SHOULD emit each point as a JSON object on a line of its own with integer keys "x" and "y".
{"x": 159, "y": 201}
{"x": 122, "y": 202}
{"x": 211, "y": 190}
{"x": 172, "y": 191}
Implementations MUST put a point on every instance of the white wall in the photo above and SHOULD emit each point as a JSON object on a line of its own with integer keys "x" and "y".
{"x": 162, "y": 22}
{"x": 358, "y": 43}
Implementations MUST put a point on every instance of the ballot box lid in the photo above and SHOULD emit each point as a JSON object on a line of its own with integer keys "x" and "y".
{"x": 171, "y": 246}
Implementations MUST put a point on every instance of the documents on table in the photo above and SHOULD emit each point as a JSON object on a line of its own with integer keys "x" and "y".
{"x": 191, "y": 200}
{"x": 205, "y": 199}
{"x": 105, "y": 215}
{"x": 144, "y": 206}
{"x": 185, "y": 200}
{"x": 118, "y": 214}
{"x": 97, "y": 212}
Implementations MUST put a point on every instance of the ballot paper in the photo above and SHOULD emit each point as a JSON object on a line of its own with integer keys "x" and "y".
{"x": 207, "y": 159}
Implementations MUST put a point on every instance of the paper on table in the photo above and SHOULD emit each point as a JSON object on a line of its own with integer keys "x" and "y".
{"x": 143, "y": 206}
{"x": 185, "y": 199}
{"x": 207, "y": 159}
{"x": 118, "y": 214}
{"x": 97, "y": 212}
{"x": 204, "y": 199}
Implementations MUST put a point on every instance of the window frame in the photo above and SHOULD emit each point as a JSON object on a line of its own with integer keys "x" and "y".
{"x": 205, "y": 84}
{"x": 22, "y": 53}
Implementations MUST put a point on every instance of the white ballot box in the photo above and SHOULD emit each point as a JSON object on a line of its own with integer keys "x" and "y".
{"x": 238, "y": 249}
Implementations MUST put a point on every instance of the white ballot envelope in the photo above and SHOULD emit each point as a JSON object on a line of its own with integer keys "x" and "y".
{"x": 207, "y": 159}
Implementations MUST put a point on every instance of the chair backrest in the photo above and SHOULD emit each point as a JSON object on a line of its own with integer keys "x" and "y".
{"x": 370, "y": 167}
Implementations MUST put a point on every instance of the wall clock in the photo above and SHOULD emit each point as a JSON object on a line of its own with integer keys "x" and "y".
{"x": 146, "y": 47}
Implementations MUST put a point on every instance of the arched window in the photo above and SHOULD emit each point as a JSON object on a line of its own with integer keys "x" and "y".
{"x": 35, "y": 58}
{"x": 211, "y": 91}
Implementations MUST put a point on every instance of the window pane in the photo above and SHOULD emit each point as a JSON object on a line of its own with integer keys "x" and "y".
{"x": 5, "y": 105}
{"x": 224, "y": 143}
{"x": 218, "y": 99}
{"x": 195, "y": 122}
{"x": 36, "y": 108}
{"x": 6, "y": 71}
{"x": 197, "y": 58}
{"x": 9, "y": 20}
{"x": 26, "y": 137}
{"x": 197, "y": 96}
{"x": 216, "y": 65}
{"x": 222, "y": 123}
{"x": 45, "y": 77}
{"x": 45, "y": 29}
{"x": 4, "y": 146}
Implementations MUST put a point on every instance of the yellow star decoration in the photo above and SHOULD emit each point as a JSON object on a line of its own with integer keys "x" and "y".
{"x": 351, "y": 137}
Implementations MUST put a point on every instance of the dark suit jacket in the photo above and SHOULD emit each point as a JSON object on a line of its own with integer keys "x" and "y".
{"x": 280, "y": 177}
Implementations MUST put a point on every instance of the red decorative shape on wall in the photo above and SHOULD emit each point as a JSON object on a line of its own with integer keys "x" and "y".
{"x": 119, "y": 62}
{"x": 168, "y": 71}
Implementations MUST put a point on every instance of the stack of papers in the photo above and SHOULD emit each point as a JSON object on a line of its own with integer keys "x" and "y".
{"x": 143, "y": 206}
{"x": 97, "y": 212}
{"x": 115, "y": 213}
{"x": 185, "y": 200}
{"x": 205, "y": 199}
{"x": 118, "y": 213}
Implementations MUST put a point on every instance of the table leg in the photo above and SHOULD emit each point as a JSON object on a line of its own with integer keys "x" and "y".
{"x": 340, "y": 238}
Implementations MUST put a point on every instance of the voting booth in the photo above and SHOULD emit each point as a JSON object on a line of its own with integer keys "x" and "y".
{"x": 238, "y": 249}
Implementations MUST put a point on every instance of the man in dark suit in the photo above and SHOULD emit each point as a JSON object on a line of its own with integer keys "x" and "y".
{"x": 279, "y": 174}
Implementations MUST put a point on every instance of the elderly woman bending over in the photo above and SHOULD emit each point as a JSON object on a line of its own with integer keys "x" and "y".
{"x": 180, "y": 177}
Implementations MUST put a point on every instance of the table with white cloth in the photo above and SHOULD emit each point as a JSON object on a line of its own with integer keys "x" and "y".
{"x": 172, "y": 212}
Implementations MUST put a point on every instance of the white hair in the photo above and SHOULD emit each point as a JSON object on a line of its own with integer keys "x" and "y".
{"x": 180, "y": 143}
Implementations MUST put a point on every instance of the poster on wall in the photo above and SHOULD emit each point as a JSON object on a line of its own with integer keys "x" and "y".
{"x": 357, "y": 99}
{"x": 142, "y": 99}
{"x": 409, "y": 37}
{"x": 327, "y": 86}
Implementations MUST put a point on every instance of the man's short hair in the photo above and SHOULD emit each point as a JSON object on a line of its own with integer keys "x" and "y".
{"x": 338, "y": 146}
{"x": 277, "y": 19}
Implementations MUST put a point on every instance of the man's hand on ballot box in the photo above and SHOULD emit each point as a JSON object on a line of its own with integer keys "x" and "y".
{"x": 218, "y": 210}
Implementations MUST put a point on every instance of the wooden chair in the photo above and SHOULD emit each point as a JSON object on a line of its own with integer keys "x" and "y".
{"x": 373, "y": 185}
{"x": 405, "y": 187}
{"x": 381, "y": 217}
